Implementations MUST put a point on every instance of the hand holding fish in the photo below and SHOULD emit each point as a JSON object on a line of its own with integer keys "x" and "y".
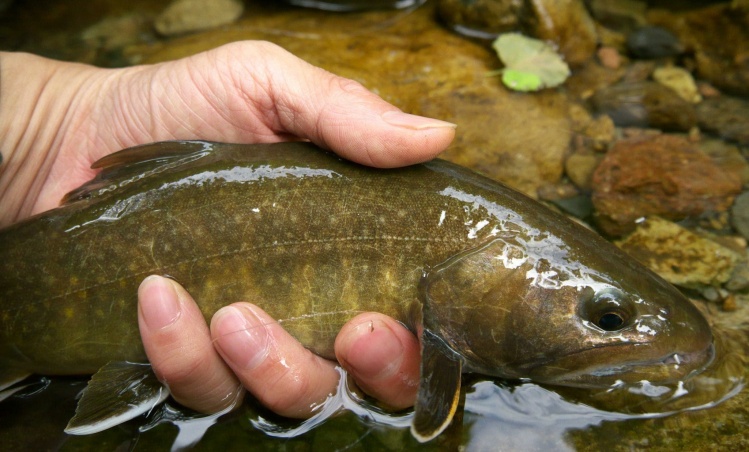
{"x": 58, "y": 118}
{"x": 376, "y": 350}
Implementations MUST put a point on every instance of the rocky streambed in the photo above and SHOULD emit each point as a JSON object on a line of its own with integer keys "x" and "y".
{"x": 647, "y": 141}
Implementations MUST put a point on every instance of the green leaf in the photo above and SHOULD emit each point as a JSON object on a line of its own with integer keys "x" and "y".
{"x": 530, "y": 64}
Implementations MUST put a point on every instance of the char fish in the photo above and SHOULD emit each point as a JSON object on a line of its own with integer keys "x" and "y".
{"x": 491, "y": 281}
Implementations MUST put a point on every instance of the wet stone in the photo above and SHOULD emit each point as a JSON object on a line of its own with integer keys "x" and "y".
{"x": 481, "y": 18}
{"x": 678, "y": 255}
{"x": 645, "y": 104}
{"x": 580, "y": 166}
{"x": 662, "y": 175}
{"x": 680, "y": 81}
{"x": 353, "y": 5}
{"x": 185, "y": 16}
{"x": 718, "y": 37}
{"x": 653, "y": 42}
{"x": 740, "y": 214}
{"x": 739, "y": 280}
{"x": 621, "y": 15}
{"x": 609, "y": 57}
{"x": 567, "y": 24}
{"x": 727, "y": 156}
{"x": 725, "y": 116}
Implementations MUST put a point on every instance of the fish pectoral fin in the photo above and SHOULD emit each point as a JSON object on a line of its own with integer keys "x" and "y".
{"x": 118, "y": 392}
{"x": 439, "y": 388}
{"x": 10, "y": 375}
{"x": 122, "y": 168}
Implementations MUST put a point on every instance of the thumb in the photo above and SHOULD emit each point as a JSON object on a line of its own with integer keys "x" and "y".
{"x": 335, "y": 112}
{"x": 350, "y": 120}
{"x": 252, "y": 91}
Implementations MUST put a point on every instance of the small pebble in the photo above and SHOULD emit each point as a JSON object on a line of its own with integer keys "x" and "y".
{"x": 729, "y": 304}
{"x": 680, "y": 81}
{"x": 609, "y": 57}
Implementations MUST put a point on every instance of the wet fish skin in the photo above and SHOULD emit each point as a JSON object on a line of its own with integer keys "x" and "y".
{"x": 503, "y": 286}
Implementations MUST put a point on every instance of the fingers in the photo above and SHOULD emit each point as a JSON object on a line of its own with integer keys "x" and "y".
{"x": 270, "y": 363}
{"x": 382, "y": 356}
{"x": 179, "y": 347}
{"x": 245, "y": 347}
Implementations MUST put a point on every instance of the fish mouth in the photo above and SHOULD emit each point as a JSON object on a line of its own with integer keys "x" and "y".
{"x": 604, "y": 366}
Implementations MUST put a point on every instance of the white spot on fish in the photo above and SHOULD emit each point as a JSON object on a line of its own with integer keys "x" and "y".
{"x": 442, "y": 218}
{"x": 472, "y": 233}
{"x": 644, "y": 329}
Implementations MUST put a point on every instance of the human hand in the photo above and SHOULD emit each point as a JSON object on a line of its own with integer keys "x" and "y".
{"x": 246, "y": 348}
{"x": 56, "y": 123}
{"x": 56, "y": 118}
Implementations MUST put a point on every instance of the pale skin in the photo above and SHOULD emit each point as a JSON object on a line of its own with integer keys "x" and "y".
{"x": 56, "y": 119}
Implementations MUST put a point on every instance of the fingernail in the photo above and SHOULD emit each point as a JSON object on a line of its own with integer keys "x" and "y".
{"x": 242, "y": 337}
{"x": 414, "y": 122}
{"x": 376, "y": 352}
{"x": 159, "y": 304}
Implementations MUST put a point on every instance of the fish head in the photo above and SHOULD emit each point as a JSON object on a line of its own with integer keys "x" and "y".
{"x": 563, "y": 320}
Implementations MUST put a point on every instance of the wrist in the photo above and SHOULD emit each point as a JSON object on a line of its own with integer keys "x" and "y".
{"x": 37, "y": 99}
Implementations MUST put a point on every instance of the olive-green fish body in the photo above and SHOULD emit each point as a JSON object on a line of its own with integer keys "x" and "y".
{"x": 508, "y": 288}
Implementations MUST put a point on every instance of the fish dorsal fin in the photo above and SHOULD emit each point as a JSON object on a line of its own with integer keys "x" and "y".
{"x": 439, "y": 388}
{"x": 118, "y": 392}
{"x": 129, "y": 165}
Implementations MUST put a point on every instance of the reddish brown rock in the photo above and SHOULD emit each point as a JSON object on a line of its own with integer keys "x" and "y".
{"x": 662, "y": 175}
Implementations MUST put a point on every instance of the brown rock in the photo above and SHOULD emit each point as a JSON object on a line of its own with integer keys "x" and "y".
{"x": 718, "y": 36}
{"x": 609, "y": 57}
{"x": 580, "y": 167}
{"x": 645, "y": 104}
{"x": 662, "y": 175}
{"x": 566, "y": 23}
{"x": 727, "y": 117}
{"x": 481, "y": 18}
{"x": 184, "y": 16}
{"x": 678, "y": 255}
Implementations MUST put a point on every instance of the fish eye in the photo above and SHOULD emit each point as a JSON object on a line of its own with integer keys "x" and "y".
{"x": 610, "y": 321}
{"x": 609, "y": 309}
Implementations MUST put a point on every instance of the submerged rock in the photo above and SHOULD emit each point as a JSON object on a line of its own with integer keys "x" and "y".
{"x": 645, "y": 104}
{"x": 662, "y": 175}
{"x": 718, "y": 36}
{"x": 580, "y": 167}
{"x": 740, "y": 214}
{"x": 727, "y": 117}
{"x": 567, "y": 24}
{"x": 184, "y": 16}
{"x": 653, "y": 42}
{"x": 678, "y": 255}
{"x": 680, "y": 81}
{"x": 481, "y": 18}
{"x": 354, "y": 5}
{"x": 620, "y": 15}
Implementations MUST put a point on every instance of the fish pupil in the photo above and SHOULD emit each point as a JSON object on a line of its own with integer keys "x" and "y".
{"x": 611, "y": 321}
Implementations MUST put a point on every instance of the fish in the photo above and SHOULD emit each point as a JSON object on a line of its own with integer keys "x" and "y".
{"x": 491, "y": 281}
